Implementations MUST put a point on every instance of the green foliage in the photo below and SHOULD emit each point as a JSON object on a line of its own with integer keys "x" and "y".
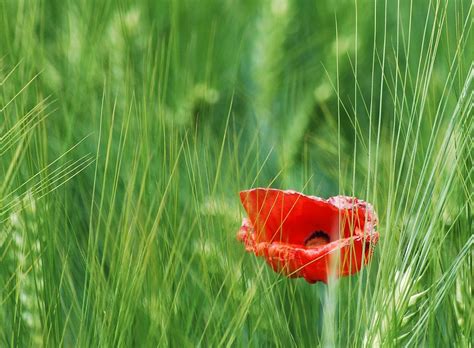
{"x": 128, "y": 127}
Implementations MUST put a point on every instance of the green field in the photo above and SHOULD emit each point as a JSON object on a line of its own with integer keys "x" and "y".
{"x": 127, "y": 129}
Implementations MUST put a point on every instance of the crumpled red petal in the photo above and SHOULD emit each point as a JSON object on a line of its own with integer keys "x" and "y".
{"x": 280, "y": 222}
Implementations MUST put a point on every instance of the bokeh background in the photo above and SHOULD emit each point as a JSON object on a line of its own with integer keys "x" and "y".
{"x": 129, "y": 127}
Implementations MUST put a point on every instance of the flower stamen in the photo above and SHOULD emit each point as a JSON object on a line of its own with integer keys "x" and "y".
{"x": 317, "y": 238}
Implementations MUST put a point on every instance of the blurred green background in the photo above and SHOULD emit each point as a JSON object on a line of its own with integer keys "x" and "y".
{"x": 128, "y": 128}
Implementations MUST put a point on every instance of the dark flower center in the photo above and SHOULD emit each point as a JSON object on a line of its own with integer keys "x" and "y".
{"x": 317, "y": 238}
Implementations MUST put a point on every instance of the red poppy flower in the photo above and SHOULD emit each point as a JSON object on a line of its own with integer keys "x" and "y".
{"x": 301, "y": 235}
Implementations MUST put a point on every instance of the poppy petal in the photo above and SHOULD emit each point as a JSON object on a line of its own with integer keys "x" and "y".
{"x": 290, "y": 216}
